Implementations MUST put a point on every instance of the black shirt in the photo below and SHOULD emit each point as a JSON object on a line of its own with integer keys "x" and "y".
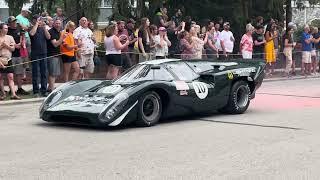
{"x": 55, "y": 34}
{"x": 174, "y": 41}
{"x": 143, "y": 34}
{"x": 39, "y": 43}
{"x": 259, "y": 38}
{"x": 15, "y": 33}
{"x": 316, "y": 36}
{"x": 157, "y": 20}
{"x": 131, "y": 37}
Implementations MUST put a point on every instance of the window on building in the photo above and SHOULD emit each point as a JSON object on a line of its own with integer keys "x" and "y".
{"x": 106, "y": 3}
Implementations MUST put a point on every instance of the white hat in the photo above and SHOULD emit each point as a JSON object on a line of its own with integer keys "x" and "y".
{"x": 291, "y": 24}
{"x": 26, "y": 9}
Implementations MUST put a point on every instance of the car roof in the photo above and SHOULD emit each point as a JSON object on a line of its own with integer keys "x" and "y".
{"x": 162, "y": 61}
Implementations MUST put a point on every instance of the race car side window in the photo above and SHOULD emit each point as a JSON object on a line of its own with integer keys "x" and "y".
{"x": 201, "y": 66}
{"x": 182, "y": 71}
{"x": 144, "y": 73}
{"x": 159, "y": 74}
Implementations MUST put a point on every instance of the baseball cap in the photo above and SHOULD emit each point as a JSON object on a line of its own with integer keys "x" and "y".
{"x": 162, "y": 29}
{"x": 11, "y": 19}
{"x": 26, "y": 9}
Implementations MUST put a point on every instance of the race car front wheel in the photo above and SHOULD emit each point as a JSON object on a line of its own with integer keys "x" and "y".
{"x": 150, "y": 109}
{"x": 239, "y": 98}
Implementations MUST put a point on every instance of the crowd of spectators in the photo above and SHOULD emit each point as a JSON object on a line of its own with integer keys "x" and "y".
{"x": 54, "y": 47}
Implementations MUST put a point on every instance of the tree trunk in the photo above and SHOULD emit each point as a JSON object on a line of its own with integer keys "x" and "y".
{"x": 288, "y": 12}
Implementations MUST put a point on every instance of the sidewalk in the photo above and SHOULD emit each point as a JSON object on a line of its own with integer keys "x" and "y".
{"x": 28, "y": 87}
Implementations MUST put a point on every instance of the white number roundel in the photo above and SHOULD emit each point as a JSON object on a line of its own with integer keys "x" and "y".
{"x": 201, "y": 89}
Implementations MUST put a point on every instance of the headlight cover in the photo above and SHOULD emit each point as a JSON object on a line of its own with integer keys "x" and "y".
{"x": 50, "y": 100}
{"x": 114, "y": 107}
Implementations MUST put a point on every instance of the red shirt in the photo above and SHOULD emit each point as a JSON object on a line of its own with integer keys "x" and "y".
{"x": 123, "y": 36}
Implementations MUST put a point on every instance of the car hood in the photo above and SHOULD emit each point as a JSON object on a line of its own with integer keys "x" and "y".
{"x": 86, "y": 102}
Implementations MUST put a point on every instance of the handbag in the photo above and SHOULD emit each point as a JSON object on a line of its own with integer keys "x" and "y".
{"x": 96, "y": 60}
{"x": 23, "y": 50}
{"x": 4, "y": 60}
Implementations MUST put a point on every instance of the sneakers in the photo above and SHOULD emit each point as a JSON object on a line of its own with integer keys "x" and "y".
{"x": 44, "y": 94}
{"x": 21, "y": 91}
{"x": 36, "y": 95}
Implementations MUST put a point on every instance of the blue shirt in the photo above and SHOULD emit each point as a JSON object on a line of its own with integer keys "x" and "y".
{"x": 39, "y": 43}
{"x": 306, "y": 46}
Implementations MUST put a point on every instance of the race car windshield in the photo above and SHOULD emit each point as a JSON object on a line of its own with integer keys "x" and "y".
{"x": 182, "y": 71}
{"x": 143, "y": 72}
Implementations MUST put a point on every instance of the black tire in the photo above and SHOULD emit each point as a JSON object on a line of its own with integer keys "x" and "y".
{"x": 149, "y": 109}
{"x": 239, "y": 98}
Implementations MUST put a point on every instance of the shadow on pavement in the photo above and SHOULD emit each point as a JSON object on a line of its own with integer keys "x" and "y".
{"x": 250, "y": 124}
{"x": 79, "y": 127}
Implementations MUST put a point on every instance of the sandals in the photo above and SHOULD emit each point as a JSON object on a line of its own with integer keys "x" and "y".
{"x": 15, "y": 97}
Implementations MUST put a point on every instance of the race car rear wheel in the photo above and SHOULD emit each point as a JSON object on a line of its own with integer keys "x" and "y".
{"x": 150, "y": 109}
{"x": 239, "y": 98}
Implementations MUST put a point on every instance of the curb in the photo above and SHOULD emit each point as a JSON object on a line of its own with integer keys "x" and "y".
{"x": 290, "y": 79}
{"x": 23, "y": 101}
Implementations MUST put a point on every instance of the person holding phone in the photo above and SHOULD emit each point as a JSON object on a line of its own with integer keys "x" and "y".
{"x": 162, "y": 44}
{"x": 39, "y": 36}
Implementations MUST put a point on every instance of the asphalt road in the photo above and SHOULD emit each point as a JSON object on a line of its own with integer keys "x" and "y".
{"x": 278, "y": 138}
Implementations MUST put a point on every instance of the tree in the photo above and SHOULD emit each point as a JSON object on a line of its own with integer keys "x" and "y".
{"x": 15, "y": 6}
{"x": 74, "y": 9}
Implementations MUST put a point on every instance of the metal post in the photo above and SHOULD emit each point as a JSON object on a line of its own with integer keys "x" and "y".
{"x": 305, "y": 15}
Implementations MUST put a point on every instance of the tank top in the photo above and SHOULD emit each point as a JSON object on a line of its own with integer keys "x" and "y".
{"x": 109, "y": 46}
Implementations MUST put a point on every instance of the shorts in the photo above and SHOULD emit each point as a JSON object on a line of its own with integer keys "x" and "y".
{"x": 288, "y": 53}
{"x": 246, "y": 54}
{"x": 114, "y": 59}
{"x": 68, "y": 59}
{"x": 54, "y": 66}
{"x": 18, "y": 69}
{"x": 8, "y": 69}
{"x": 306, "y": 56}
{"x": 86, "y": 63}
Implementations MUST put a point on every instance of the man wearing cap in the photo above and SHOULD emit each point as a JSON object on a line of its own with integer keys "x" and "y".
{"x": 227, "y": 41}
{"x": 16, "y": 59}
{"x": 23, "y": 21}
{"x": 39, "y": 36}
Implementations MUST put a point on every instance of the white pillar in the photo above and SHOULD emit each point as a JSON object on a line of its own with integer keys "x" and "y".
{"x": 305, "y": 15}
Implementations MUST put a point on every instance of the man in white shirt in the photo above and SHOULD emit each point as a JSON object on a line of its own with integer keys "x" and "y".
{"x": 84, "y": 39}
{"x": 226, "y": 41}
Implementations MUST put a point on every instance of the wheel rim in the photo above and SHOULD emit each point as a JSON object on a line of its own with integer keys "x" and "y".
{"x": 242, "y": 96}
{"x": 150, "y": 107}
